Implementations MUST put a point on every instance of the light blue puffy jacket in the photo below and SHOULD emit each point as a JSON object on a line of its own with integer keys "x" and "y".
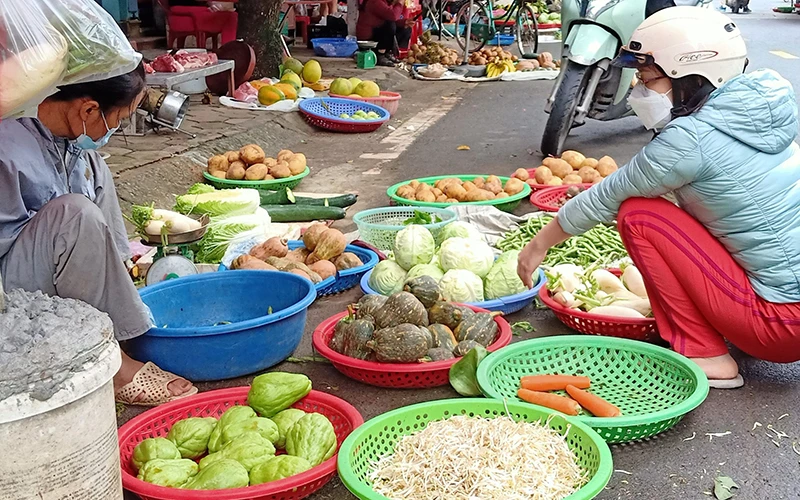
{"x": 735, "y": 167}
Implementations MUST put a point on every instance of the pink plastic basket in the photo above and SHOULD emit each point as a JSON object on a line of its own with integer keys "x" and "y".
{"x": 389, "y": 101}
{"x": 546, "y": 199}
{"x": 396, "y": 375}
{"x": 157, "y": 422}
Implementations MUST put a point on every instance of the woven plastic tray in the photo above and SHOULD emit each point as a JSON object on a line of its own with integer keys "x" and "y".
{"x": 627, "y": 328}
{"x": 157, "y": 422}
{"x": 390, "y": 101}
{"x": 347, "y": 279}
{"x": 274, "y": 184}
{"x": 395, "y": 375}
{"x": 379, "y": 226}
{"x": 506, "y": 204}
{"x": 654, "y": 387}
{"x": 316, "y": 113}
{"x": 378, "y": 436}
{"x": 507, "y": 305}
{"x": 546, "y": 199}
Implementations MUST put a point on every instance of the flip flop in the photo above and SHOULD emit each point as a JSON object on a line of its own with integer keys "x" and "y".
{"x": 151, "y": 381}
{"x": 731, "y": 383}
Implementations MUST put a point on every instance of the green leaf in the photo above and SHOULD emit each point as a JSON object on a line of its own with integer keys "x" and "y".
{"x": 464, "y": 373}
{"x": 522, "y": 326}
{"x": 723, "y": 486}
{"x": 419, "y": 218}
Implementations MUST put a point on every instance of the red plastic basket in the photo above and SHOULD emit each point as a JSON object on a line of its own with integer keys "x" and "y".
{"x": 157, "y": 422}
{"x": 545, "y": 199}
{"x": 396, "y": 375}
{"x": 389, "y": 101}
{"x": 627, "y": 328}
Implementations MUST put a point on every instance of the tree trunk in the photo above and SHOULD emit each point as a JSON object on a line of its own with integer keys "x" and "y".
{"x": 258, "y": 26}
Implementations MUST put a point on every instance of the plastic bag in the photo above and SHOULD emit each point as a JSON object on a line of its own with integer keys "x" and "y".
{"x": 97, "y": 47}
{"x": 33, "y": 57}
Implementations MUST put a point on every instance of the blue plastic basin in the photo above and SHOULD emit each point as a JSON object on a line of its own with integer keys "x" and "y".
{"x": 187, "y": 342}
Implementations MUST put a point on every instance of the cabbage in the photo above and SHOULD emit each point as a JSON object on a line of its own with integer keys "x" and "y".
{"x": 502, "y": 279}
{"x": 460, "y": 285}
{"x": 432, "y": 270}
{"x": 223, "y": 202}
{"x": 414, "y": 245}
{"x": 387, "y": 277}
{"x": 463, "y": 253}
{"x": 226, "y": 230}
{"x": 461, "y": 229}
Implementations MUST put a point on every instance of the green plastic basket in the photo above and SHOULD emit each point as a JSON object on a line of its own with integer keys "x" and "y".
{"x": 379, "y": 226}
{"x": 654, "y": 387}
{"x": 378, "y": 436}
{"x": 504, "y": 204}
{"x": 272, "y": 185}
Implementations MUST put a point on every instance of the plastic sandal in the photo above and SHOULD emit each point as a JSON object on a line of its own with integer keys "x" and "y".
{"x": 731, "y": 383}
{"x": 150, "y": 381}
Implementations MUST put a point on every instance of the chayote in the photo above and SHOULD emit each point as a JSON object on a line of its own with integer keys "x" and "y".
{"x": 276, "y": 468}
{"x": 285, "y": 420}
{"x": 190, "y": 435}
{"x": 222, "y": 474}
{"x": 264, "y": 426}
{"x": 169, "y": 473}
{"x": 152, "y": 448}
{"x": 249, "y": 449}
{"x": 233, "y": 414}
{"x": 272, "y": 392}
{"x": 313, "y": 438}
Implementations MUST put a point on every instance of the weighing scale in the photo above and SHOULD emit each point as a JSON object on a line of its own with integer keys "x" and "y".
{"x": 365, "y": 57}
{"x": 175, "y": 259}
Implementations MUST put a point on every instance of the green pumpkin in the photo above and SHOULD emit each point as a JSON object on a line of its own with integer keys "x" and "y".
{"x": 368, "y": 305}
{"x": 464, "y": 347}
{"x": 442, "y": 336}
{"x": 400, "y": 308}
{"x": 340, "y": 332}
{"x": 439, "y": 354}
{"x": 425, "y": 289}
{"x": 445, "y": 313}
{"x": 356, "y": 338}
{"x": 405, "y": 343}
{"x": 480, "y": 327}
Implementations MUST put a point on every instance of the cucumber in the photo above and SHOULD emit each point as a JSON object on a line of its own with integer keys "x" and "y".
{"x": 342, "y": 201}
{"x": 280, "y": 197}
{"x": 302, "y": 213}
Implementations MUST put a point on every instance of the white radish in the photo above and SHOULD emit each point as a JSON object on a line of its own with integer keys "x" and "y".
{"x": 154, "y": 227}
{"x": 620, "y": 312}
{"x": 607, "y": 281}
{"x": 177, "y": 226}
{"x": 179, "y": 223}
{"x": 566, "y": 299}
{"x": 633, "y": 281}
{"x": 642, "y": 306}
{"x": 624, "y": 294}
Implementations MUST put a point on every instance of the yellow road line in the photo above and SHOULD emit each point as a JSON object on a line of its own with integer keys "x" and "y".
{"x": 782, "y": 54}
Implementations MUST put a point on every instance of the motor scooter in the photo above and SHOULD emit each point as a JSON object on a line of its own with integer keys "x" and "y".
{"x": 588, "y": 85}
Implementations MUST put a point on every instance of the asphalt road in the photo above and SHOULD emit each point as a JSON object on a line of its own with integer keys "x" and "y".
{"x": 502, "y": 124}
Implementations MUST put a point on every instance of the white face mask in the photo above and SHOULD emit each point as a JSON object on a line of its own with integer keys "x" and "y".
{"x": 653, "y": 108}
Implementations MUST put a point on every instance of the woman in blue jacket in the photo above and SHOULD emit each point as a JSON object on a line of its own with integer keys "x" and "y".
{"x": 725, "y": 263}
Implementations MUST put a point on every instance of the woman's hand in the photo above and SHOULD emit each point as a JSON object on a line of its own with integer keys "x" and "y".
{"x": 535, "y": 251}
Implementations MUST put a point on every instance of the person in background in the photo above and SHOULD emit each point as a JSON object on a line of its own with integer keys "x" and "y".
{"x": 385, "y": 22}
{"x": 212, "y": 16}
{"x": 724, "y": 264}
{"x": 61, "y": 227}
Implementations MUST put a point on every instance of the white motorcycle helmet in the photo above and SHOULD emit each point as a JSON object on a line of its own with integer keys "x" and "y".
{"x": 685, "y": 42}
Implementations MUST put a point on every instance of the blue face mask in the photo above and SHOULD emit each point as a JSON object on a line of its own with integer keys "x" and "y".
{"x": 85, "y": 142}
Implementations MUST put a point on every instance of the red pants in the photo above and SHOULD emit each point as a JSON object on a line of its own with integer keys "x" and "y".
{"x": 700, "y": 295}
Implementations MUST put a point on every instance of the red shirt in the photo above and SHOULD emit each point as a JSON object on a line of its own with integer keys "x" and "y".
{"x": 374, "y": 14}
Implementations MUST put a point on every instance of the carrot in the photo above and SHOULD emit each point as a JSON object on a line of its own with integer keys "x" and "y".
{"x": 553, "y": 382}
{"x": 596, "y": 405}
{"x": 552, "y": 401}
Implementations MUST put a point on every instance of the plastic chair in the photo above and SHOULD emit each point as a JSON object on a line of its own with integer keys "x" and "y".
{"x": 200, "y": 22}
{"x": 416, "y": 32}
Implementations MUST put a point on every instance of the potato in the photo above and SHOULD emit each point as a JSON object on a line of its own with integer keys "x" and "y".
{"x": 607, "y": 159}
{"x": 268, "y": 177}
{"x": 522, "y": 174}
{"x": 270, "y": 162}
{"x": 232, "y": 156}
{"x": 456, "y": 191}
{"x": 302, "y": 273}
{"x": 281, "y": 170}
{"x": 514, "y": 186}
{"x": 284, "y": 155}
{"x": 606, "y": 167}
{"x": 296, "y": 166}
{"x": 574, "y": 158}
{"x": 441, "y": 198}
{"x": 324, "y": 268}
{"x": 438, "y": 192}
{"x": 236, "y": 171}
{"x": 502, "y": 195}
{"x": 469, "y": 186}
{"x": 448, "y": 180}
{"x": 218, "y": 163}
{"x": 493, "y": 178}
{"x": 543, "y": 174}
{"x": 256, "y": 172}
{"x": 406, "y": 192}
{"x": 218, "y": 174}
{"x": 300, "y": 157}
{"x": 251, "y": 154}
{"x": 493, "y": 187}
{"x": 573, "y": 179}
{"x": 479, "y": 181}
{"x": 414, "y": 184}
{"x": 587, "y": 174}
{"x": 560, "y": 168}
{"x": 555, "y": 181}
{"x": 451, "y": 200}
{"x": 532, "y": 183}
{"x": 589, "y": 162}
{"x": 426, "y": 195}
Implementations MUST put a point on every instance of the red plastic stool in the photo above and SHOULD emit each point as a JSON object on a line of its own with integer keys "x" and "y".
{"x": 416, "y": 32}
